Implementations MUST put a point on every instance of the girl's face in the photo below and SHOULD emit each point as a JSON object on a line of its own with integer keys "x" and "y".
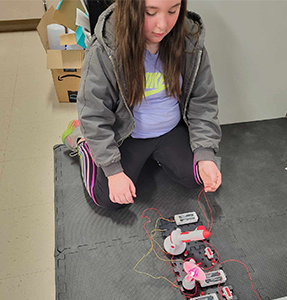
{"x": 160, "y": 18}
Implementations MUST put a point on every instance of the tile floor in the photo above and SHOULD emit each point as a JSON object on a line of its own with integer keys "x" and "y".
{"x": 31, "y": 121}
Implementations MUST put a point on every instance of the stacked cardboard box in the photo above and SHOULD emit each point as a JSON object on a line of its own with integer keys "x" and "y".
{"x": 65, "y": 65}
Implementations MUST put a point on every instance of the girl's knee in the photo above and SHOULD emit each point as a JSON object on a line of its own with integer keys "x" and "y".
{"x": 187, "y": 178}
{"x": 190, "y": 182}
{"x": 106, "y": 203}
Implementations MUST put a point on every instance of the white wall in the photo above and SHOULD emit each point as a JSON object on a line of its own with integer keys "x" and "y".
{"x": 247, "y": 45}
{"x": 23, "y": 9}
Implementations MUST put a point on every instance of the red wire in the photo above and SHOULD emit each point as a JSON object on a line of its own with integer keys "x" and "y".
{"x": 210, "y": 210}
{"x": 198, "y": 200}
{"x": 217, "y": 260}
{"x": 149, "y": 220}
{"x": 235, "y": 260}
{"x": 150, "y": 208}
{"x": 209, "y": 225}
{"x": 177, "y": 276}
{"x": 211, "y": 215}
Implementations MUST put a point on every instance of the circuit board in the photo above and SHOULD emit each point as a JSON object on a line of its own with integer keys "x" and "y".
{"x": 215, "y": 286}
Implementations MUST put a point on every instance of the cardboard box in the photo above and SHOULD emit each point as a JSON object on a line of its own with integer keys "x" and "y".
{"x": 66, "y": 68}
{"x": 65, "y": 65}
{"x": 66, "y": 12}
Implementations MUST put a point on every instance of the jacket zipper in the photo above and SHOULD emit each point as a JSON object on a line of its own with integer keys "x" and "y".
{"x": 125, "y": 102}
{"x": 191, "y": 87}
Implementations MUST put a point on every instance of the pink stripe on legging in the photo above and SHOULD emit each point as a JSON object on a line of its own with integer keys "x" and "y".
{"x": 93, "y": 180}
{"x": 87, "y": 173}
{"x": 83, "y": 163}
{"x": 195, "y": 173}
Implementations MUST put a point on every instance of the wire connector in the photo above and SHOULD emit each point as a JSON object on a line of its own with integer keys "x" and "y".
{"x": 208, "y": 253}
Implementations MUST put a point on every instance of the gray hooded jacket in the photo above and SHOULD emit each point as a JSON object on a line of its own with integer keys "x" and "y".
{"x": 105, "y": 118}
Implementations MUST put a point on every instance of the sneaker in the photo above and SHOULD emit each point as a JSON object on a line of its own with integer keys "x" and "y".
{"x": 71, "y": 135}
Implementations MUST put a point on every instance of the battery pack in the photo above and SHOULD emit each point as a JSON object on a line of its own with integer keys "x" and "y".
{"x": 187, "y": 218}
{"x": 207, "y": 297}
{"x": 213, "y": 278}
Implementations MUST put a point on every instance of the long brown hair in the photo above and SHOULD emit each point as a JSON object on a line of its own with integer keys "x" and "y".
{"x": 131, "y": 45}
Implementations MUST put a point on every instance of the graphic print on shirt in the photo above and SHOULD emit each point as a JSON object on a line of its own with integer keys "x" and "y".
{"x": 159, "y": 112}
{"x": 154, "y": 83}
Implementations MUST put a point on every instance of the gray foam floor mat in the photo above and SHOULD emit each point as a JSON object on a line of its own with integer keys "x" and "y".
{"x": 96, "y": 250}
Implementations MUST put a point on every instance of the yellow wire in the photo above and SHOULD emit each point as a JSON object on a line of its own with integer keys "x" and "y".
{"x": 152, "y": 238}
{"x": 152, "y": 235}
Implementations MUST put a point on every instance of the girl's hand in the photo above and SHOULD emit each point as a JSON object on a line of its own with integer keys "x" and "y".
{"x": 121, "y": 189}
{"x": 210, "y": 175}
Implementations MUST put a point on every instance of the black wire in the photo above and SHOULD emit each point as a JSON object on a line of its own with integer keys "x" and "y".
{"x": 45, "y": 5}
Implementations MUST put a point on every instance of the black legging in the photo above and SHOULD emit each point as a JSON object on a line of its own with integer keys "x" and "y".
{"x": 171, "y": 150}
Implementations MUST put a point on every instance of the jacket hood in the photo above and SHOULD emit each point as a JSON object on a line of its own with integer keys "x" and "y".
{"x": 104, "y": 30}
{"x": 192, "y": 19}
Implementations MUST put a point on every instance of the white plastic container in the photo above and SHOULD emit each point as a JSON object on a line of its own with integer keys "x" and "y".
{"x": 73, "y": 47}
{"x": 54, "y": 32}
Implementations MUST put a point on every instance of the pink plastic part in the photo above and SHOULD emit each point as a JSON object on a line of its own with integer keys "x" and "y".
{"x": 201, "y": 227}
{"x": 227, "y": 293}
{"x": 208, "y": 253}
{"x": 206, "y": 234}
{"x": 193, "y": 270}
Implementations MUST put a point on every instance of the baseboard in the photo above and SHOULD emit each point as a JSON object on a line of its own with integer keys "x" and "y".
{"x": 18, "y": 25}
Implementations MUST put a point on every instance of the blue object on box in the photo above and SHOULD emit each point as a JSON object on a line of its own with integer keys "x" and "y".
{"x": 80, "y": 37}
{"x": 60, "y": 3}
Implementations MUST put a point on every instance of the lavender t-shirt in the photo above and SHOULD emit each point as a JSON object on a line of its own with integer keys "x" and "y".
{"x": 160, "y": 113}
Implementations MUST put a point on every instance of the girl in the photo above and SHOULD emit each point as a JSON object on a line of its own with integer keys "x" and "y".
{"x": 146, "y": 92}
